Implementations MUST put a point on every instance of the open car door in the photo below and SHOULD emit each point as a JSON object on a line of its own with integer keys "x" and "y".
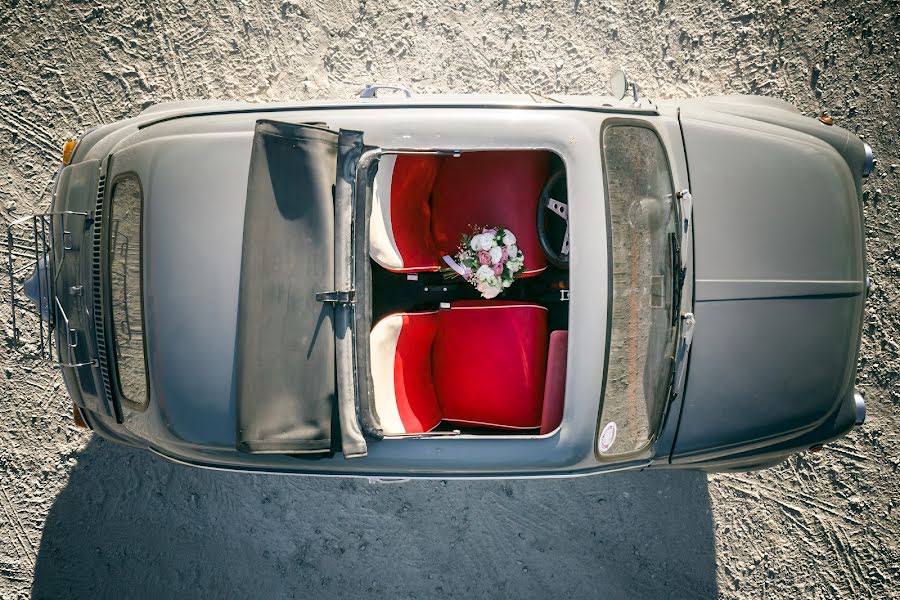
{"x": 294, "y": 349}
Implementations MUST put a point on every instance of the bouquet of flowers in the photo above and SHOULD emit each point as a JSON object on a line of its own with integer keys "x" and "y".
{"x": 488, "y": 259}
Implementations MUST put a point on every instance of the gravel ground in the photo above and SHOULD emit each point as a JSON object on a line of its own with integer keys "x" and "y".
{"x": 83, "y": 518}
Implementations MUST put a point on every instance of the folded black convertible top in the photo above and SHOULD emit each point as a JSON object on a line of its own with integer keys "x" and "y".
{"x": 285, "y": 351}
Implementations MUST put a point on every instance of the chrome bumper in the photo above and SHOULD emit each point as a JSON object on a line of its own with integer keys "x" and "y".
{"x": 860, "y": 404}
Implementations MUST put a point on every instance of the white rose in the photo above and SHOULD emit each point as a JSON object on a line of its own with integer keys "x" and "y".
{"x": 496, "y": 253}
{"x": 487, "y": 241}
{"x": 512, "y": 250}
{"x": 491, "y": 292}
{"x": 475, "y": 242}
{"x": 509, "y": 239}
{"x": 484, "y": 272}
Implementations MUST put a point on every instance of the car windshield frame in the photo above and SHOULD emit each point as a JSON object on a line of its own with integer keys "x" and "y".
{"x": 644, "y": 277}
{"x": 125, "y": 302}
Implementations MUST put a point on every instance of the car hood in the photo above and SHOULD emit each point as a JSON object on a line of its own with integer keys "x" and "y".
{"x": 195, "y": 188}
{"x": 779, "y": 272}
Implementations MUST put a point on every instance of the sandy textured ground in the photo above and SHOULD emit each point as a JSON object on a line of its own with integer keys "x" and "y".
{"x": 82, "y": 518}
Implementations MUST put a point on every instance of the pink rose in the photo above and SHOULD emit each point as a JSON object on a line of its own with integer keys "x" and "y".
{"x": 498, "y": 269}
{"x": 484, "y": 257}
{"x": 504, "y": 256}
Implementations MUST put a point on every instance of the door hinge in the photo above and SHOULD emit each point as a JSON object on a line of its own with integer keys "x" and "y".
{"x": 336, "y": 297}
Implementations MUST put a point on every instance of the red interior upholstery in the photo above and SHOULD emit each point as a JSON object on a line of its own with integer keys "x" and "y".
{"x": 435, "y": 200}
{"x": 480, "y": 363}
{"x": 411, "y": 185}
{"x": 490, "y": 188}
{"x": 416, "y": 401}
{"x": 488, "y": 362}
{"x": 555, "y": 382}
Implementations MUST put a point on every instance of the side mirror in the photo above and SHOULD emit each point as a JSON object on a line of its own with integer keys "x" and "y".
{"x": 618, "y": 82}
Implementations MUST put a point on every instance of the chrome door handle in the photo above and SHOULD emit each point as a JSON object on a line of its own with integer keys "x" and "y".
{"x": 372, "y": 88}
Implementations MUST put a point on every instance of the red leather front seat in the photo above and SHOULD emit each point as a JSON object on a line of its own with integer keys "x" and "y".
{"x": 479, "y": 364}
{"x": 423, "y": 204}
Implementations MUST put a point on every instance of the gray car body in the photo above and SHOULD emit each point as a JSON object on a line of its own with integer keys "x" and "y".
{"x": 776, "y": 278}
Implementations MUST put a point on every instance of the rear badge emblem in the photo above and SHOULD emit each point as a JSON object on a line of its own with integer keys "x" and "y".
{"x": 607, "y": 437}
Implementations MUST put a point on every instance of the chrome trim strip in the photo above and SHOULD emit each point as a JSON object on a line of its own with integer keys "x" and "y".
{"x": 860, "y": 405}
{"x": 710, "y": 290}
{"x": 631, "y": 466}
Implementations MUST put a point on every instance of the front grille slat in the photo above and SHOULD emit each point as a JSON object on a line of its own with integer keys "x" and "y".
{"x": 99, "y": 320}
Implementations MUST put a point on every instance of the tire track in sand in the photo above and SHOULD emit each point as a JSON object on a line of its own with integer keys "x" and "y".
{"x": 21, "y": 534}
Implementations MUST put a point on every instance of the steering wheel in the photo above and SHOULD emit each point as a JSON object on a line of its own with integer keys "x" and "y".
{"x": 553, "y": 220}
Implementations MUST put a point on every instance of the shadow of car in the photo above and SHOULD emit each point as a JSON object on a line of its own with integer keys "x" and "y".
{"x": 130, "y": 525}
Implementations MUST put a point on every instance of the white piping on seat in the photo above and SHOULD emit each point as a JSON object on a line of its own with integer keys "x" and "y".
{"x": 533, "y": 271}
{"x": 510, "y": 427}
{"x": 500, "y": 306}
{"x": 407, "y": 269}
{"x": 383, "y": 349}
{"x": 382, "y": 245}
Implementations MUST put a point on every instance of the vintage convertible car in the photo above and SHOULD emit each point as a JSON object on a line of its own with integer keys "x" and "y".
{"x": 258, "y": 286}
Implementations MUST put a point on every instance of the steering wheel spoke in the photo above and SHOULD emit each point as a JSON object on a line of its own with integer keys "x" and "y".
{"x": 558, "y": 208}
{"x": 548, "y": 233}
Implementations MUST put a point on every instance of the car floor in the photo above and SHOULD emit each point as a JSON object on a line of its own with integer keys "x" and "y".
{"x": 404, "y": 292}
